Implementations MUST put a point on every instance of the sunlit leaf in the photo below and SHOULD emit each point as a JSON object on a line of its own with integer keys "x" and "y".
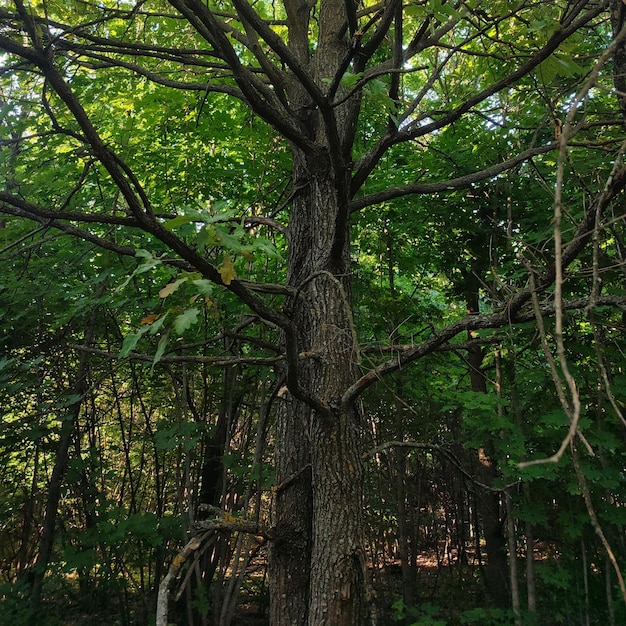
{"x": 170, "y": 288}
{"x": 227, "y": 270}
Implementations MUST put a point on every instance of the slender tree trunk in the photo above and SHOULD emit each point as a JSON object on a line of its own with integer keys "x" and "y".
{"x": 531, "y": 592}
{"x": 400, "y": 465}
{"x": 496, "y": 570}
{"x": 408, "y": 573}
{"x": 515, "y": 599}
{"x": 23, "y": 555}
{"x": 609, "y": 590}
{"x": 510, "y": 521}
{"x": 68, "y": 428}
{"x": 585, "y": 615}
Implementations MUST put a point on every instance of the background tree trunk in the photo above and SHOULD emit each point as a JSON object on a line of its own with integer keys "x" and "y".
{"x": 489, "y": 506}
{"x": 68, "y": 431}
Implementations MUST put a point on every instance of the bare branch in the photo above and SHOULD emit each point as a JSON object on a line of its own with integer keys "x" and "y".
{"x": 444, "y": 451}
{"x": 452, "y": 184}
{"x": 213, "y": 361}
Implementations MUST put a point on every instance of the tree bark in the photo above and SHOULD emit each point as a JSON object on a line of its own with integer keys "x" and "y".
{"x": 317, "y": 558}
{"x": 317, "y": 563}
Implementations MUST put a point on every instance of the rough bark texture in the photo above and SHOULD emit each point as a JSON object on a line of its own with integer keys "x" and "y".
{"x": 317, "y": 559}
{"x": 290, "y": 552}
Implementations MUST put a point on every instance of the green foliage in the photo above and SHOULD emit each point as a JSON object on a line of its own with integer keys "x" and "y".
{"x": 425, "y": 615}
{"x": 488, "y": 616}
{"x": 219, "y": 183}
{"x": 15, "y": 605}
{"x": 201, "y": 601}
{"x": 185, "y": 434}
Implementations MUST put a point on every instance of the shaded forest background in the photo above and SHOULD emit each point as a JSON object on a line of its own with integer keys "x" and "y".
{"x": 139, "y": 393}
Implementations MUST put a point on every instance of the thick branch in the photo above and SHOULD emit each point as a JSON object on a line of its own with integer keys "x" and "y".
{"x": 173, "y": 572}
{"x": 280, "y": 48}
{"x": 469, "y": 323}
{"x": 449, "y": 185}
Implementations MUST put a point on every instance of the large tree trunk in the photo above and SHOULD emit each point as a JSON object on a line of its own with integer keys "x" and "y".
{"x": 317, "y": 559}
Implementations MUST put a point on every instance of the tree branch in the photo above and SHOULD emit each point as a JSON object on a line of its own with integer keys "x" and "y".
{"x": 27, "y": 209}
{"x": 468, "y": 323}
{"x": 449, "y": 185}
{"x": 443, "y": 451}
{"x": 259, "y": 96}
{"x": 164, "y": 588}
{"x": 213, "y": 361}
{"x": 228, "y": 523}
{"x": 369, "y": 161}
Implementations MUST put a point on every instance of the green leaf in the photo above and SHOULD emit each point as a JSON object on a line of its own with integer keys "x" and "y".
{"x": 350, "y": 80}
{"x": 180, "y": 220}
{"x": 143, "y": 254}
{"x": 130, "y": 341}
{"x": 156, "y": 327}
{"x": 204, "y": 287}
{"x": 185, "y": 320}
{"x": 161, "y": 348}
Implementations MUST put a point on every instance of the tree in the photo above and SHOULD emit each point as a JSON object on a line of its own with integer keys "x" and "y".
{"x": 346, "y": 89}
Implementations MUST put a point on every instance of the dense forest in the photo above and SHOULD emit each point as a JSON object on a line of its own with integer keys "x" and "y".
{"x": 312, "y": 312}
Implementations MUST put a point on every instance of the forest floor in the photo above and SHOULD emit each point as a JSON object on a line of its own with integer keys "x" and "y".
{"x": 443, "y": 583}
